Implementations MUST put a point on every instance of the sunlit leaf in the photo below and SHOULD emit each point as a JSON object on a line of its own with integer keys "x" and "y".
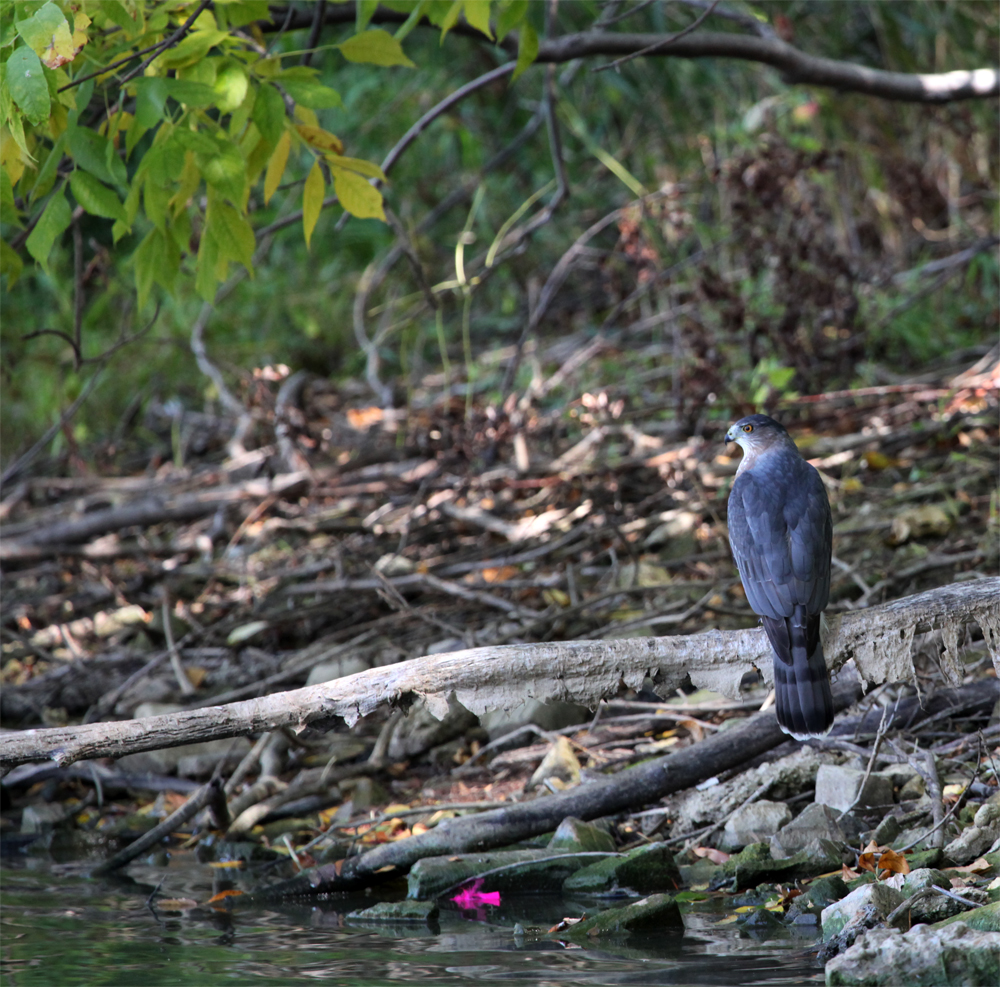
{"x": 377, "y": 47}
{"x": 231, "y": 86}
{"x": 312, "y": 200}
{"x": 41, "y": 27}
{"x": 276, "y": 166}
{"x": 477, "y": 13}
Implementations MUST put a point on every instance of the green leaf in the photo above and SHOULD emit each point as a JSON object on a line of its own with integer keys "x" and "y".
{"x": 192, "y": 49}
{"x": 39, "y": 29}
{"x": 365, "y": 11}
{"x": 28, "y": 87}
{"x": 276, "y": 166}
{"x": 356, "y": 195}
{"x": 312, "y": 200}
{"x": 156, "y": 197}
{"x": 477, "y": 13}
{"x": 49, "y": 228}
{"x": 510, "y": 15}
{"x": 8, "y": 208}
{"x": 190, "y": 92}
{"x": 124, "y": 226}
{"x": 97, "y": 199}
{"x": 233, "y": 233}
{"x": 375, "y": 47}
{"x": 450, "y": 19}
{"x": 225, "y": 169}
{"x": 247, "y": 11}
{"x": 96, "y": 154}
{"x": 300, "y": 84}
{"x": 414, "y": 14}
{"x": 208, "y": 256}
{"x": 10, "y": 263}
{"x": 527, "y": 48}
{"x": 157, "y": 261}
{"x": 46, "y": 173}
{"x": 269, "y": 113}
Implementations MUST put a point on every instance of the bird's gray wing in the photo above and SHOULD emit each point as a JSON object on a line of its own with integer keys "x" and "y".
{"x": 757, "y": 537}
{"x": 781, "y": 533}
{"x": 810, "y": 538}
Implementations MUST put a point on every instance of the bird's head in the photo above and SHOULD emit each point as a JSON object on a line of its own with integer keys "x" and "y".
{"x": 756, "y": 433}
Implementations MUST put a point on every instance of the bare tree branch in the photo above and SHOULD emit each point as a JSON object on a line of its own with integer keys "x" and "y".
{"x": 795, "y": 66}
{"x": 878, "y": 639}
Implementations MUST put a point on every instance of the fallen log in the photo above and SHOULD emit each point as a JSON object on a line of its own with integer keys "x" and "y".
{"x": 879, "y": 640}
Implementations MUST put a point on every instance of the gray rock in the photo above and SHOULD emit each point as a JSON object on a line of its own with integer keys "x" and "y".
{"x": 837, "y": 786}
{"x": 821, "y": 894}
{"x": 42, "y": 818}
{"x": 814, "y": 822}
{"x": 924, "y": 877}
{"x": 787, "y": 776}
{"x": 754, "y": 823}
{"x": 974, "y": 841}
{"x": 548, "y": 716}
{"x": 420, "y": 729}
{"x": 197, "y": 759}
{"x": 886, "y": 832}
{"x": 870, "y": 902}
{"x": 922, "y": 957}
{"x": 912, "y": 789}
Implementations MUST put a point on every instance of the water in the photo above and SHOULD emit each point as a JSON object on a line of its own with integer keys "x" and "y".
{"x": 60, "y": 927}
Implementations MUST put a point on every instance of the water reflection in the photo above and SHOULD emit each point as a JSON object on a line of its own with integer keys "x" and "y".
{"x": 68, "y": 929}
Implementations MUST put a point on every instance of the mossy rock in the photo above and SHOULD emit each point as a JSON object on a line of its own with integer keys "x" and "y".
{"x": 406, "y": 910}
{"x": 984, "y": 919}
{"x": 645, "y": 870}
{"x": 651, "y": 914}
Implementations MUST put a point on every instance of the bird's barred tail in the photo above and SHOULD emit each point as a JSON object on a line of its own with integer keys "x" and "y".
{"x": 802, "y": 696}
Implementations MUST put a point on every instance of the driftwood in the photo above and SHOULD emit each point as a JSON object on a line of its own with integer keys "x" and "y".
{"x": 879, "y": 639}
{"x": 53, "y": 538}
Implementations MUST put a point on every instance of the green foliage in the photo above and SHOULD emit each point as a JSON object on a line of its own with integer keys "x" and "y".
{"x": 212, "y": 116}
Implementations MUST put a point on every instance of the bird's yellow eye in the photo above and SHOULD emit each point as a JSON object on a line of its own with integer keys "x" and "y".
{"x": 748, "y": 428}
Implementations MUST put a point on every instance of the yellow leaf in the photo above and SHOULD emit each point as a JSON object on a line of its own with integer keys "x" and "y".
{"x": 356, "y": 195}
{"x": 312, "y": 200}
{"x": 321, "y": 139}
{"x": 367, "y": 168}
{"x": 307, "y": 116}
{"x": 276, "y": 166}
